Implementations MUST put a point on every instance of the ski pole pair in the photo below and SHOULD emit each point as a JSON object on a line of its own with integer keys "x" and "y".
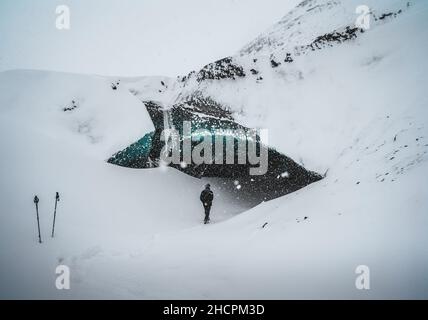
{"x": 36, "y": 202}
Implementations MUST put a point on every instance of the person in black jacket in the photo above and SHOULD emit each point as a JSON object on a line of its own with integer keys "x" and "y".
{"x": 207, "y": 197}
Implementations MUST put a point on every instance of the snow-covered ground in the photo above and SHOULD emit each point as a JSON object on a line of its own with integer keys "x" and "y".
{"x": 357, "y": 111}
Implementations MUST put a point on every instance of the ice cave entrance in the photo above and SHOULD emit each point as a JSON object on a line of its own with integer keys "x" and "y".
{"x": 282, "y": 176}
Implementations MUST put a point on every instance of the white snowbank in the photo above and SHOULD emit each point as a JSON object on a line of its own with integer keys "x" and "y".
{"x": 102, "y": 122}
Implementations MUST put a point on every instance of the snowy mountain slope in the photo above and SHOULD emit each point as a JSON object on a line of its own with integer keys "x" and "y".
{"x": 312, "y": 18}
{"x": 258, "y": 85}
{"x": 298, "y": 100}
{"x": 357, "y": 110}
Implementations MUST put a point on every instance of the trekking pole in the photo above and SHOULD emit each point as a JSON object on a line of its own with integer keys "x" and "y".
{"x": 56, "y": 202}
{"x": 36, "y": 201}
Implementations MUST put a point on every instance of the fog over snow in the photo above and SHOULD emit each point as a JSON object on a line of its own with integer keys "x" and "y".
{"x": 130, "y": 37}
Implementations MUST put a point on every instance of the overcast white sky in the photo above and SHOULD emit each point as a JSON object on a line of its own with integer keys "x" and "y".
{"x": 130, "y": 37}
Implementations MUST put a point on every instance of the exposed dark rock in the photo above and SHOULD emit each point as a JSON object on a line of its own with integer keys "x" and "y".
{"x": 388, "y": 15}
{"x": 334, "y": 37}
{"x": 199, "y": 103}
{"x": 185, "y": 78}
{"x": 221, "y": 69}
{"x": 274, "y": 64}
{"x": 73, "y": 106}
{"x": 288, "y": 58}
{"x": 253, "y": 71}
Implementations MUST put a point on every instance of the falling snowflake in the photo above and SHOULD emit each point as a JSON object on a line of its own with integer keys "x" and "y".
{"x": 285, "y": 174}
